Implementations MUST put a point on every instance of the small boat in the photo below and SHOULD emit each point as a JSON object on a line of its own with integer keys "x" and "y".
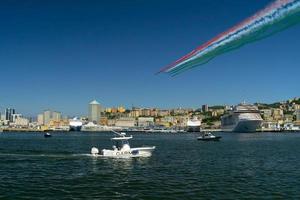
{"x": 207, "y": 136}
{"x": 46, "y": 135}
{"x": 122, "y": 149}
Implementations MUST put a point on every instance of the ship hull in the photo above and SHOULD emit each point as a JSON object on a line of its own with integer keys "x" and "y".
{"x": 245, "y": 126}
{"x": 75, "y": 128}
{"x": 193, "y": 129}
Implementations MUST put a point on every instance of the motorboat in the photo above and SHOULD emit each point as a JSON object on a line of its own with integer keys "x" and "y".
{"x": 207, "y": 136}
{"x": 46, "y": 135}
{"x": 122, "y": 149}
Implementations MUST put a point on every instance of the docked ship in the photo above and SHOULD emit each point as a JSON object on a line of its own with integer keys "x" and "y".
{"x": 75, "y": 124}
{"x": 193, "y": 125}
{"x": 243, "y": 118}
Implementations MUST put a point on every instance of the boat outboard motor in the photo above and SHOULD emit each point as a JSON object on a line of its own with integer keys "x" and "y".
{"x": 94, "y": 151}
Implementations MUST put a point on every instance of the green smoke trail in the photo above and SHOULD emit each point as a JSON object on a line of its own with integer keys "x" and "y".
{"x": 267, "y": 30}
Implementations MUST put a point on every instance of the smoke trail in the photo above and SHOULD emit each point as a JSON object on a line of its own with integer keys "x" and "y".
{"x": 277, "y": 17}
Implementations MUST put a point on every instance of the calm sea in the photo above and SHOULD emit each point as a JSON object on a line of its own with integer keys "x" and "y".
{"x": 240, "y": 166}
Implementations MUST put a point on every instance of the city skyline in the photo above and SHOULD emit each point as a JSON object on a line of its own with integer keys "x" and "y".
{"x": 110, "y": 53}
{"x": 99, "y": 108}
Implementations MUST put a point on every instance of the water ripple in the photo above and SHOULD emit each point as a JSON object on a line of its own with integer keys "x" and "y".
{"x": 258, "y": 166}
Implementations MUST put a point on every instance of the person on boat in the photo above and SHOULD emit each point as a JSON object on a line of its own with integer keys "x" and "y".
{"x": 118, "y": 145}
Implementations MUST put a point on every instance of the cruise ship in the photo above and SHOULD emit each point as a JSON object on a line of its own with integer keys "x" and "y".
{"x": 75, "y": 124}
{"x": 193, "y": 125}
{"x": 244, "y": 118}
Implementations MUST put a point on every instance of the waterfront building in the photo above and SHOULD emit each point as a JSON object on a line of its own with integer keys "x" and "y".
{"x": 47, "y": 117}
{"x": 56, "y": 116}
{"x": 145, "y": 121}
{"x": 40, "y": 119}
{"x": 217, "y": 112}
{"x": 297, "y": 114}
{"x": 163, "y": 113}
{"x": 103, "y": 121}
{"x": 94, "y": 111}
{"x": 111, "y": 122}
{"x": 166, "y": 121}
{"x": 2, "y": 118}
{"x": 266, "y": 114}
{"x": 181, "y": 111}
{"x": 277, "y": 114}
{"x": 296, "y": 107}
{"x": 15, "y": 116}
{"x": 8, "y": 114}
{"x": 146, "y": 112}
{"x": 125, "y": 122}
{"x": 135, "y": 112}
{"x": 154, "y": 112}
{"x": 21, "y": 121}
{"x": 169, "y": 119}
{"x": 288, "y": 118}
{"x": 205, "y": 108}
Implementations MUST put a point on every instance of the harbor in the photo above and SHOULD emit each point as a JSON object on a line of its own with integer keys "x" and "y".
{"x": 177, "y": 163}
{"x": 241, "y": 118}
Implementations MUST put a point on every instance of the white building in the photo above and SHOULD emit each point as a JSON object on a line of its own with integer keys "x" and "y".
{"x": 145, "y": 121}
{"x": 15, "y": 117}
{"x": 21, "y": 121}
{"x": 2, "y": 117}
{"x": 40, "y": 119}
{"x": 125, "y": 122}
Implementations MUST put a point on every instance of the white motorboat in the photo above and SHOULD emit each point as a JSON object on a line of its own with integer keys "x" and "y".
{"x": 207, "y": 136}
{"x": 122, "y": 149}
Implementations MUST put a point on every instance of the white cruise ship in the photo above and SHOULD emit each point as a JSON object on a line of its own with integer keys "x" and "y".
{"x": 75, "y": 124}
{"x": 243, "y": 118}
{"x": 193, "y": 125}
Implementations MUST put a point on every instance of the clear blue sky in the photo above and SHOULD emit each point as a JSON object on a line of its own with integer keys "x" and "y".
{"x": 61, "y": 54}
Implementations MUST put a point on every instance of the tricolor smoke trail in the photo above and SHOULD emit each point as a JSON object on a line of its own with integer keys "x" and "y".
{"x": 276, "y": 17}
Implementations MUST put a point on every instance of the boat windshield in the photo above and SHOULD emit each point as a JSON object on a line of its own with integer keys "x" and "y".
{"x": 120, "y": 143}
{"x": 207, "y": 134}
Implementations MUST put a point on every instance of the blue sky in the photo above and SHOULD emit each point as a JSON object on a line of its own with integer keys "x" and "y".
{"x": 63, "y": 54}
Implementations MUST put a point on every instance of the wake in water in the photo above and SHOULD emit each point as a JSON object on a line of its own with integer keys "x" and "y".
{"x": 50, "y": 155}
{"x": 276, "y": 17}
